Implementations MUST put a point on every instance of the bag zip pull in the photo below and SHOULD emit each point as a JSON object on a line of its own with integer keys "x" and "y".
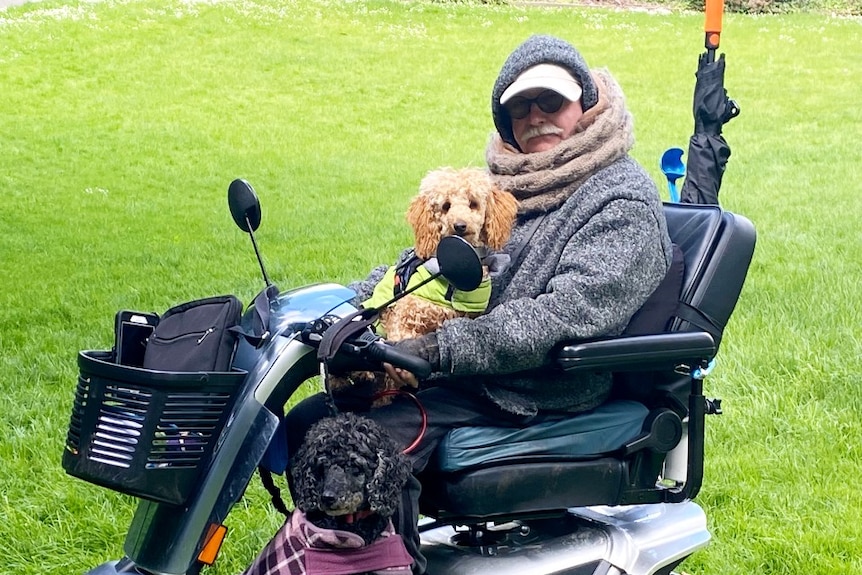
{"x": 206, "y": 333}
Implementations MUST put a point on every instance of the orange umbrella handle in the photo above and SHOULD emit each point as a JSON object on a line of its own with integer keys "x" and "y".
{"x": 712, "y": 27}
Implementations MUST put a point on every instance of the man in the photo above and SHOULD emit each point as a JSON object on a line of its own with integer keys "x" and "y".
{"x": 589, "y": 248}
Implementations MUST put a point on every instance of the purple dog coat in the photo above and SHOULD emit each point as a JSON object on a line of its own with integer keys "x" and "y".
{"x": 302, "y": 548}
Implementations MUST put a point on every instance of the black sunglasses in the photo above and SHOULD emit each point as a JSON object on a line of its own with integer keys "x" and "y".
{"x": 548, "y": 102}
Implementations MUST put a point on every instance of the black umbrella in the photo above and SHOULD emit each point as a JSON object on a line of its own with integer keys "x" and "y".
{"x": 708, "y": 151}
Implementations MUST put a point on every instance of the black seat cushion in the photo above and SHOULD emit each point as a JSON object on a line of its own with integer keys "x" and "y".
{"x": 522, "y": 488}
{"x": 587, "y": 436}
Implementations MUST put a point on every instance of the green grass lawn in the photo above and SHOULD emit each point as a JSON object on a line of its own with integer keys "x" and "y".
{"x": 122, "y": 123}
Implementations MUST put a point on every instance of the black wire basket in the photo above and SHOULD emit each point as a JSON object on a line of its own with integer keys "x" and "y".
{"x": 145, "y": 433}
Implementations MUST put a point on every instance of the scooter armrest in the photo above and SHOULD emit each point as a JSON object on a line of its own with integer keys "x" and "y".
{"x": 638, "y": 353}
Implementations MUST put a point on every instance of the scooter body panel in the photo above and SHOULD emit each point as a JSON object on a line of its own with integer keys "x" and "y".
{"x": 636, "y": 540}
{"x": 301, "y": 305}
{"x": 122, "y": 567}
{"x": 648, "y": 537}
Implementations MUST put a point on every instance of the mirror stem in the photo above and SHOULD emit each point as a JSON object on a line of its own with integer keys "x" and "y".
{"x": 409, "y": 291}
{"x": 257, "y": 253}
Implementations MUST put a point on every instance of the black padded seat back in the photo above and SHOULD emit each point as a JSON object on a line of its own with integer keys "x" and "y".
{"x": 717, "y": 247}
{"x": 693, "y": 229}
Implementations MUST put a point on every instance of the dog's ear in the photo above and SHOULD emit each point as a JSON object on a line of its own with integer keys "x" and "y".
{"x": 426, "y": 231}
{"x": 305, "y": 481}
{"x": 499, "y": 218}
{"x": 384, "y": 489}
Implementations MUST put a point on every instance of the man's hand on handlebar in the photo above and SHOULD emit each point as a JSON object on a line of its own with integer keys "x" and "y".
{"x": 406, "y": 361}
{"x": 401, "y": 376}
{"x": 424, "y": 347}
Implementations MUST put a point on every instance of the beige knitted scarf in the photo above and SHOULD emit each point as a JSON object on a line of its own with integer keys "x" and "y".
{"x": 542, "y": 181}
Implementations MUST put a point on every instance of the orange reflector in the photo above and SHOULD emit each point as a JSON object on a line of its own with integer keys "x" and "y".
{"x": 712, "y": 40}
{"x": 215, "y": 537}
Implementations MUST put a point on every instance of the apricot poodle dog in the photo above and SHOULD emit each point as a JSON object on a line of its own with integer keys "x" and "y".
{"x": 451, "y": 202}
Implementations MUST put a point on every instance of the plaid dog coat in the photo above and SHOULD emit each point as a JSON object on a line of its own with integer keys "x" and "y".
{"x": 301, "y": 548}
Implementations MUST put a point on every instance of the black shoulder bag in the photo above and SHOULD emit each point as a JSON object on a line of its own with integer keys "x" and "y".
{"x": 198, "y": 335}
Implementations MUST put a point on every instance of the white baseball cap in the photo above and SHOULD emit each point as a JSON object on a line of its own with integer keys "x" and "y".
{"x": 547, "y": 76}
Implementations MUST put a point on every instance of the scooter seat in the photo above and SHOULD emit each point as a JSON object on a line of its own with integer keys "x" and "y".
{"x": 489, "y": 473}
{"x": 599, "y": 432}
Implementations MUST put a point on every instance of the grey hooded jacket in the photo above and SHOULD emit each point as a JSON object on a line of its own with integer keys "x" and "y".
{"x": 589, "y": 267}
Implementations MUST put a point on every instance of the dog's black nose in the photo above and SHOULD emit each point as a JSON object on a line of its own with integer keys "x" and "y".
{"x": 328, "y": 499}
{"x": 460, "y": 228}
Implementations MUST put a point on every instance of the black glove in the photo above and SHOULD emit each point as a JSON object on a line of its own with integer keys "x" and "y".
{"x": 424, "y": 346}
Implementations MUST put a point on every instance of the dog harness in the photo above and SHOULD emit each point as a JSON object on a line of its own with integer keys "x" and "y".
{"x": 414, "y": 271}
{"x": 302, "y": 548}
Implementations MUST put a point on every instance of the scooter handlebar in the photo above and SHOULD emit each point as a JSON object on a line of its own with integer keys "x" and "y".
{"x": 363, "y": 347}
{"x": 384, "y": 352}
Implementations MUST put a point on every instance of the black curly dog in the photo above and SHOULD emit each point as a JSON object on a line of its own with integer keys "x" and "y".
{"x": 348, "y": 475}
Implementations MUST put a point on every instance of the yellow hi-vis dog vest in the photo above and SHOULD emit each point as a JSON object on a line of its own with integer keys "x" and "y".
{"x": 438, "y": 290}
